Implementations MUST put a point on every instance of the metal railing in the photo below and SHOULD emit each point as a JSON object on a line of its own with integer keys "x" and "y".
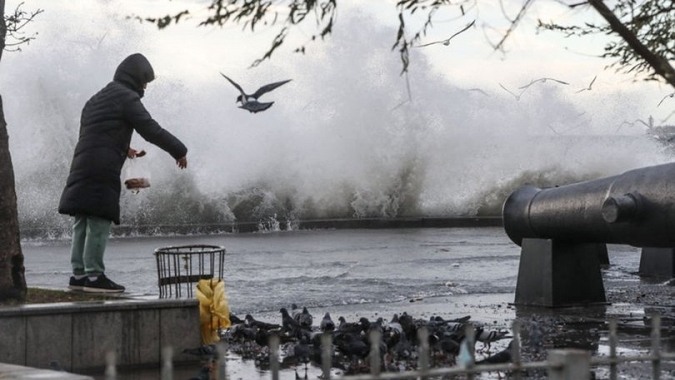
{"x": 560, "y": 363}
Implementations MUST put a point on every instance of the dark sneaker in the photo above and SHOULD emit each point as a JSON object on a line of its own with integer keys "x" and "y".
{"x": 75, "y": 284}
{"x": 102, "y": 284}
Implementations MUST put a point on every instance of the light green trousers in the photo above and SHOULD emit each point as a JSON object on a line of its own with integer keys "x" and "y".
{"x": 90, "y": 237}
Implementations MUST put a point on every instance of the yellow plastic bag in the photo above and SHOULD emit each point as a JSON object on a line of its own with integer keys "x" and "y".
{"x": 214, "y": 312}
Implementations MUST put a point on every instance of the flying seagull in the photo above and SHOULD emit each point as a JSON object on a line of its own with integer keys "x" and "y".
{"x": 446, "y": 41}
{"x": 589, "y": 86}
{"x": 250, "y": 101}
{"x": 664, "y": 98}
{"x": 509, "y": 91}
{"x": 542, "y": 80}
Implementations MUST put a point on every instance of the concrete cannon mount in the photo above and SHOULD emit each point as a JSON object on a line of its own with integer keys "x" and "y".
{"x": 79, "y": 335}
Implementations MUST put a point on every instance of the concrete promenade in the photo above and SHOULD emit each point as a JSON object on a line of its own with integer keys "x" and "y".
{"x": 12, "y": 372}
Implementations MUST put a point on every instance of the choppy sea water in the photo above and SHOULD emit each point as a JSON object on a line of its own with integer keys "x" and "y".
{"x": 321, "y": 268}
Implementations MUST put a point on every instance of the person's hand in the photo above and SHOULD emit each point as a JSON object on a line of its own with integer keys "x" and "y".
{"x": 132, "y": 153}
{"x": 182, "y": 162}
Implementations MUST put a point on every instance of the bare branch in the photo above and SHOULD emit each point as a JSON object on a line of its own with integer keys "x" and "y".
{"x": 660, "y": 65}
{"x": 3, "y": 35}
{"x": 514, "y": 24}
{"x": 253, "y": 13}
{"x": 12, "y": 28}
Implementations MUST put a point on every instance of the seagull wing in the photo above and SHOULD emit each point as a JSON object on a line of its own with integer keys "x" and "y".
{"x": 593, "y": 81}
{"x": 665, "y": 97}
{"x": 269, "y": 87}
{"x": 463, "y": 30}
{"x": 234, "y": 84}
{"x": 431, "y": 43}
{"x": 541, "y": 80}
{"x": 559, "y": 81}
{"x": 446, "y": 41}
{"x": 507, "y": 90}
{"x": 527, "y": 85}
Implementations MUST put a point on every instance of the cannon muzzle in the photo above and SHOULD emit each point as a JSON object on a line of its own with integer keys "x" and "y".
{"x": 635, "y": 208}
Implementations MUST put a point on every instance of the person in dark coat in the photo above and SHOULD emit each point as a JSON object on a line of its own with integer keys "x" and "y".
{"x": 92, "y": 191}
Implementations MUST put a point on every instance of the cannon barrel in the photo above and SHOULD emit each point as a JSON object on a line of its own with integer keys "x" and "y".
{"x": 635, "y": 208}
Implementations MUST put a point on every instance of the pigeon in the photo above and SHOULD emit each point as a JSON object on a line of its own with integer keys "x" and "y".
{"x": 394, "y": 327}
{"x": 302, "y": 351}
{"x": 487, "y": 337}
{"x": 250, "y": 102}
{"x": 305, "y": 319}
{"x": 235, "y": 320}
{"x": 295, "y": 310}
{"x": 327, "y": 323}
{"x": 287, "y": 322}
{"x": 350, "y": 345}
{"x": 350, "y": 327}
{"x": 252, "y": 322}
{"x": 500, "y": 357}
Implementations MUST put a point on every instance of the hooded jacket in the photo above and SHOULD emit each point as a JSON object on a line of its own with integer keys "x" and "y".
{"x": 107, "y": 123}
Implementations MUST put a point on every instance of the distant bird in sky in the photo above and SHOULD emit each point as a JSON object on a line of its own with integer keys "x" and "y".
{"x": 446, "y": 41}
{"x": 510, "y": 92}
{"x": 250, "y": 102}
{"x": 590, "y": 85}
{"x": 542, "y": 80}
{"x": 479, "y": 91}
{"x": 665, "y": 97}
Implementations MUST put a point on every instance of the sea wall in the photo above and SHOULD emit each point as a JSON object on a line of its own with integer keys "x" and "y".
{"x": 79, "y": 335}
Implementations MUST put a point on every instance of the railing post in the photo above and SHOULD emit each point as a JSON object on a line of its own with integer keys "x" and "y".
{"x": 467, "y": 351}
{"x": 515, "y": 350}
{"x": 110, "y": 366}
{"x": 326, "y": 355}
{"x": 569, "y": 364}
{"x": 612, "y": 348}
{"x": 167, "y": 365}
{"x": 274, "y": 356}
{"x": 375, "y": 339}
{"x": 221, "y": 364}
{"x": 423, "y": 338}
{"x": 656, "y": 346}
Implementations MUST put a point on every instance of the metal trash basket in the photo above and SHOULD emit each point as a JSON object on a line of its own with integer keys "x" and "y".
{"x": 179, "y": 268}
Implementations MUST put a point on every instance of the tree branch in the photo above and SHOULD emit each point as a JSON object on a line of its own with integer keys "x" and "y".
{"x": 660, "y": 65}
{"x": 3, "y": 28}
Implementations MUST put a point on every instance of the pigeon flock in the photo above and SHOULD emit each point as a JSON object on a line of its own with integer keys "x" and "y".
{"x": 300, "y": 336}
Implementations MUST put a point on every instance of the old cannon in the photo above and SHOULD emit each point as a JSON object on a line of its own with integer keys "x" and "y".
{"x": 563, "y": 232}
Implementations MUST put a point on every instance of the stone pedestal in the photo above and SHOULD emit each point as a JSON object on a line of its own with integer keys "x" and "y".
{"x": 559, "y": 274}
{"x": 657, "y": 262}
